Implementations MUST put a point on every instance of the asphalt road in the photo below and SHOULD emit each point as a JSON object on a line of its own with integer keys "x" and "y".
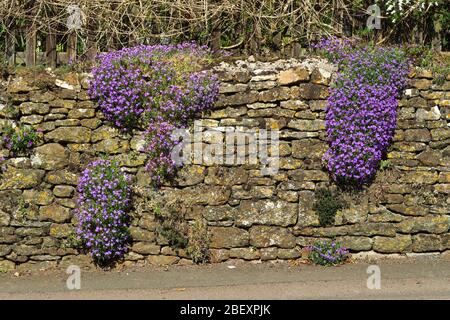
{"x": 425, "y": 278}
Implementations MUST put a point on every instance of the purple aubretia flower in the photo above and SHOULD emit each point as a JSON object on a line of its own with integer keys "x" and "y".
{"x": 325, "y": 253}
{"x": 362, "y": 107}
{"x": 158, "y": 88}
{"x": 104, "y": 199}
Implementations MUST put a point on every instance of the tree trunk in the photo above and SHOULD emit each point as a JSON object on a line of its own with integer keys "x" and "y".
{"x": 10, "y": 44}
{"x": 50, "y": 49}
{"x": 72, "y": 47}
{"x": 30, "y": 50}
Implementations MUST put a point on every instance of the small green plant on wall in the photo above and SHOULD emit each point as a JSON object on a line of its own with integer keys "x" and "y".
{"x": 199, "y": 240}
{"x": 429, "y": 59}
{"x": 174, "y": 228}
{"x": 20, "y": 138}
{"x": 327, "y": 205}
{"x": 385, "y": 165}
{"x": 172, "y": 225}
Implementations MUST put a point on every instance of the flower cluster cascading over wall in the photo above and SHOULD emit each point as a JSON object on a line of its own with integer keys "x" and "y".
{"x": 103, "y": 221}
{"x": 362, "y": 107}
{"x": 158, "y": 88}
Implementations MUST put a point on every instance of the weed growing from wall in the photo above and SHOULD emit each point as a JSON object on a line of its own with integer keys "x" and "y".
{"x": 327, "y": 204}
{"x": 199, "y": 241}
{"x": 172, "y": 225}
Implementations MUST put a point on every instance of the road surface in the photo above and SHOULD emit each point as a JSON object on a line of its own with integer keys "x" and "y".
{"x": 424, "y": 278}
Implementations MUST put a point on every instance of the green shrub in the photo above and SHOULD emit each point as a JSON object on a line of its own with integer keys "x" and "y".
{"x": 176, "y": 239}
{"x": 326, "y": 205}
{"x": 426, "y": 58}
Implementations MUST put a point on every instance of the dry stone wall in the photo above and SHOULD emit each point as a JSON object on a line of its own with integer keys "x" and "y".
{"x": 405, "y": 210}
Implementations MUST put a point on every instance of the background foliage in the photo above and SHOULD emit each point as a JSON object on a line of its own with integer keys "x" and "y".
{"x": 252, "y": 25}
